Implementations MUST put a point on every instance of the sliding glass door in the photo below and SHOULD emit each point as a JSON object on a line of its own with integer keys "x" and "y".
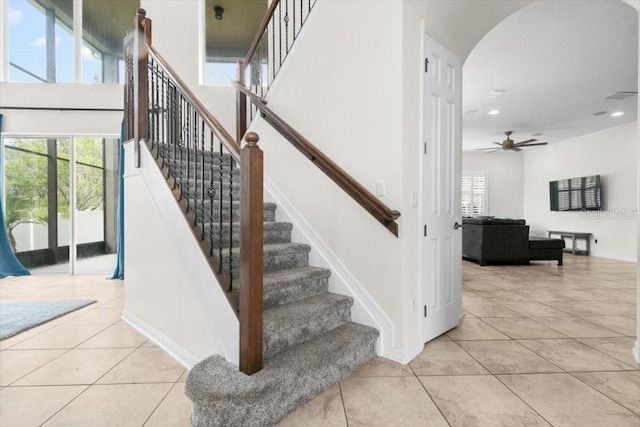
{"x": 60, "y": 196}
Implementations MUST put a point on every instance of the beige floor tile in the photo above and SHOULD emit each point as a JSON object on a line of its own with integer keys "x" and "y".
{"x": 479, "y": 400}
{"x": 445, "y": 358}
{"x": 62, "y": 336}
{"x": 566, "y": 401}
{"x": 99, "y": 316}
{"x": 183, "y": 377}
{"x": 574, "y": 356}
{"x": 32, "y": 406}
{"x": 618, "y": 348}
{"x": 23, "y": 336}
{"x": 475, "y": 329}
{"x": 522, "y": 328}
{"x": 490, "y": 309}
{"x": 14, "y": 364}
{"x": 145, "y": 365}
{"x": 621, "y": 324}
{"x": 533, "y": 308}
{"x": 76, "y": 367}
{"x": 325, "y": 410}
{"x": 116, "y": 336}
{"x": 381, "y": 367}
{"x": 622, "y": 387}
{"x": 122, "y": 405}
{"x": 472, "y": 298}
{"x": 399, "y": 401}
{"x": 507, "y": 357}
{"x": 576, "y": 327}
{"x": 149, "y": 344}
{"x": 593, "y": 308}
{"x": 174, "y": 411}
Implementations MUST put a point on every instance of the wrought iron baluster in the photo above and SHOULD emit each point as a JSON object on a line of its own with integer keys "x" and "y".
{"x": 230, "y": 221}
{"x": 221, "y": 201}
{"x": 280, "y": 33}
{"x": 286, "y": 25}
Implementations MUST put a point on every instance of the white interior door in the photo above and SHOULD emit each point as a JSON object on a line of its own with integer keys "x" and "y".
{"x": 441, "y": 258}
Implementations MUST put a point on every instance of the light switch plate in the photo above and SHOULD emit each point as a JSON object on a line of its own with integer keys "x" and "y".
{"x": 380, "y": 189}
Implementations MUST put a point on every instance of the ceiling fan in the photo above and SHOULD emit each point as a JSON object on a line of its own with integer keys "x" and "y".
{"x": 508, "y": 144}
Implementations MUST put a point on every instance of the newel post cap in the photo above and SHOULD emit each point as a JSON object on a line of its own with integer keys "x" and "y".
{"x": 252, "y": 139}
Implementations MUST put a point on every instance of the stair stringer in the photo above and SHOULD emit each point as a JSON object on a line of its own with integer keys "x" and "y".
{"x": 365, "y": 309}
{"x": 220, "y": 333}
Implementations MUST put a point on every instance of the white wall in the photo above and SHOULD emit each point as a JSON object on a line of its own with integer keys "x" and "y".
{"x": 504, "y": 180}
{"x": 171, "y": 294}
{"x": 53, "y": 123}
{"x": 612, "y": 154}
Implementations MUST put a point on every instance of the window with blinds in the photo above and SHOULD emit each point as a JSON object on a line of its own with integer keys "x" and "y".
{"x": 473, "y": 193}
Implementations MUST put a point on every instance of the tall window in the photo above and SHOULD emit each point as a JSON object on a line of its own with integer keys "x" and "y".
{"x": 41, "y": 36}
{"x": 474, "y": 195}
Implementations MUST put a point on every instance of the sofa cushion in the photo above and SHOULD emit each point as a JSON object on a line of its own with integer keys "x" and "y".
{"x": 545, "y": 243}
{"x": 490, "y": 220}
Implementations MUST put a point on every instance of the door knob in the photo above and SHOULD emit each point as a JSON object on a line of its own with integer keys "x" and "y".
{"x": 456, "y": 226}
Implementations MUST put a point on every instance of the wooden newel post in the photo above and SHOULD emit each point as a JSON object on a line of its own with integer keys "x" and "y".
{"x": 251, "y": 256}
{"x": 141, "y": 37}
{"x": 241, "y": 105}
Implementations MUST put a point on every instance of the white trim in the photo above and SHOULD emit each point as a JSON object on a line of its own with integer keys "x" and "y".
{"x": 183, "y": 357}
{"x": 73, "y": 219}
{"x": 365, "y": 309}
{"x": 202, "y": 40}
{"x": 4, "y": 41}
{"x": 636, "y": 352}
{"x": 407, "y": 355}
{"x": 77, "y": 41}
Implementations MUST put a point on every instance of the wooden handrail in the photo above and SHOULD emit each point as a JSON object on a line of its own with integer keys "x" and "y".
{"x": 368, "y": 201}
{"x": 225, "y": 136}
{"x": 258, "y": 37}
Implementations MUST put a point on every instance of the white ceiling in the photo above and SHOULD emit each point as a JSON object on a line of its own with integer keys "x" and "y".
{"x": 556, "y": 60}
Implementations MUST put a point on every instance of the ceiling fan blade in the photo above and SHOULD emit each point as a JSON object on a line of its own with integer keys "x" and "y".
{"x": 516, "y": 149}
{"x": 497, "y": 143}
{"x": 525, "y": 142}
{"x": 490, "y": 148}
{"x": 531, "y": 145}
{"x": 493, "y": 150}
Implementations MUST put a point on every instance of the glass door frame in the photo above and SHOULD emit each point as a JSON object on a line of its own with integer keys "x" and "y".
{"x": 73, "y": 232}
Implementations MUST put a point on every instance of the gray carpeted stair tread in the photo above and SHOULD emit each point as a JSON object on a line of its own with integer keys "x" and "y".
{"x": 272, "y": 232}
{"x": 277, "y": 256}
{"x": 300, "y": 321}
{"x": 223, "y": 396}
{"x": 285, "y": 286}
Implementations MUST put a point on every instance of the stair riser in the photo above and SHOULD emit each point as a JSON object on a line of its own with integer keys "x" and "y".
{"x": 204, "y": 215}
{"x": 286, "y": 336}
{"x": 272, "y": 262}
{"x": 270, "y": 236}
{"x": 294, "y": 291}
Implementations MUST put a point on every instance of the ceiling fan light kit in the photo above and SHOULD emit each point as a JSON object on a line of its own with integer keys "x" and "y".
{"x": 509, "y": 145}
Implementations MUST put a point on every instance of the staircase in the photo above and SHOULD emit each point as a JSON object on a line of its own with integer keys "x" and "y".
{"x": 309, "y": 340}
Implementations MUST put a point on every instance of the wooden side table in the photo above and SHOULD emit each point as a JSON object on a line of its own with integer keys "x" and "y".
{"x": 574, "y": 236}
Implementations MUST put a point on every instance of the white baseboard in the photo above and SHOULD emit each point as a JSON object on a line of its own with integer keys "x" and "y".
{"x": 405, "y": 356}
{"x": 178, "y": 353}
{"x": 365, "y": 309}
{"x": 636, "y": 352}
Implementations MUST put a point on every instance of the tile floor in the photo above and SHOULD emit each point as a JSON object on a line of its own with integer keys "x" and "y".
{"x": 540, "y": 345}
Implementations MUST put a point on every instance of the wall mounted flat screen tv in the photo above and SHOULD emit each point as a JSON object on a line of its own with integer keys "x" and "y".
{"x": 576, "y": 194}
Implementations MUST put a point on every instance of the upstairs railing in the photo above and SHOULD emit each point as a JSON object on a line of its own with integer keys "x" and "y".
{"x": 274, "y": 39}
{"x": 278, "y": 31}
{"x": 217, "y": 184}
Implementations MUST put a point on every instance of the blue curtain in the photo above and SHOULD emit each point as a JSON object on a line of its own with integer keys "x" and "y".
{"x": 9, "y": 264}
{"x": 119, "y": 271}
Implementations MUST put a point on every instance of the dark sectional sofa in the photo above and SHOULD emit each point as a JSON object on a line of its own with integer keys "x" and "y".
{"x": 505, "y": 241}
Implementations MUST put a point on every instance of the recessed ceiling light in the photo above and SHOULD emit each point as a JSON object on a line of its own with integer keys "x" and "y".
{"x": 600, "y": 113}
{"x": 494, "y": 112}
{"x": 537, "y": 134}
{"x": 617, "y": 113}
{"x": 472, "y": 111}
